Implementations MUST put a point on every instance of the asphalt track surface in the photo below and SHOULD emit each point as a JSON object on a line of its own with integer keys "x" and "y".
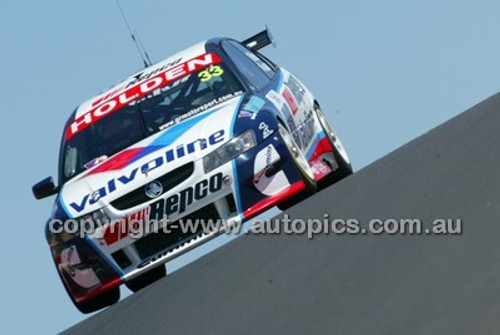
{"x": 362, "y": 284}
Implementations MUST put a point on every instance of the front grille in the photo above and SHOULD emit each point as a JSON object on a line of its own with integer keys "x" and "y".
{"x": 169, "y": 181}
{"x": 157, "y": 242}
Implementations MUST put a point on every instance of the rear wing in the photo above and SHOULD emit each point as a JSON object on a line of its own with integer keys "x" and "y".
{"x": 260, "y": 40}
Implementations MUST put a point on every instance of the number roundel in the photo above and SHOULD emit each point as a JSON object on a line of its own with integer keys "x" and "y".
{"x": 212, "y": 71}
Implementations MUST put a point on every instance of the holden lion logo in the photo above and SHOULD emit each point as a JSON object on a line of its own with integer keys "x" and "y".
{"x": 154, "y": 189}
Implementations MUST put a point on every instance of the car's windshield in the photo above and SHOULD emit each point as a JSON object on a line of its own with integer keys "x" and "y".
{"x": 163, "y": 107}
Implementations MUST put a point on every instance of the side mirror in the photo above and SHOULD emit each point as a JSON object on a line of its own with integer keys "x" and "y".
{"x": 45, "y": 188}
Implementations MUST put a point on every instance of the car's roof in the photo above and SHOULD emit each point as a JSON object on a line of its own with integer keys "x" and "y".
{"x": 179, "y": 57}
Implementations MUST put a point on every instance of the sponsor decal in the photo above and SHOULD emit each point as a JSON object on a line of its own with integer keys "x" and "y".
{"x": 264, "y": 162}
{"x": 308, "y": 130}
{"x": 141, "y": 76}
{"x": 243, "y": 114}
{"x": 95, "y": 161}
{"x": 253, "y": 105}
{"x": 109, "y": 104}
{"x": 179, "y": 202}
{"x": 275, "y": 98}
{"x": 266, "y": 132}
{"x": 282, "y": 106}
{"x": 170, "y": 155}
{"x": 297, "y": 89}
{"x": 290, "y": 100}
{"x": 319, "y": 168}
{"x": 120, "y": 229}
{"x": 268, "y": 167}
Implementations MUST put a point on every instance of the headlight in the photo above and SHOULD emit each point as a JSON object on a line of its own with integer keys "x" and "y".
{"x": 61, "y": 229}
{"x": 84, "y": 224}
{"x": 229, "y": 151}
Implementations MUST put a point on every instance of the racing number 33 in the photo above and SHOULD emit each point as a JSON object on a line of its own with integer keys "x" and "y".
{"x": 212, "y": 71}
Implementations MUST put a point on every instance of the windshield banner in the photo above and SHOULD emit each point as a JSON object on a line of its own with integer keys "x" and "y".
{"x": 119, "y": 100}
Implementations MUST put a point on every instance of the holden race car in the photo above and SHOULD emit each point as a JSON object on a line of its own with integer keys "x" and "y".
{"x": 217, "y": 131}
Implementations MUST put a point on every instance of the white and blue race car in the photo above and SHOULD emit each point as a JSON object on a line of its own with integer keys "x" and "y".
{"x": 217, "y": 131}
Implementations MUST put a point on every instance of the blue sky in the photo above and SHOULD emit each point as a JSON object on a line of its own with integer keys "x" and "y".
{"x": 384, "y": 72}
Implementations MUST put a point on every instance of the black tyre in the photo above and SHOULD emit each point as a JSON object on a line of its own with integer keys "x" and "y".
{"x": 146, "y": 279}
{"x": 344, "y": 168}
{"x": 302, "y": 166}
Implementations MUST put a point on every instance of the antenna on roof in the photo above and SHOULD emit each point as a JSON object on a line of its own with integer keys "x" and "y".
{"x": 140, "y": 48}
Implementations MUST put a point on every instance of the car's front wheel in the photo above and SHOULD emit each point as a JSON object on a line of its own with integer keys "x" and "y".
{"x": 302, "y": 166}
{"x": 344, "y": 167}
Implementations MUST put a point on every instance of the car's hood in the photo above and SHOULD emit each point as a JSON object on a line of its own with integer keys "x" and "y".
{"x": 184, "y": 142}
